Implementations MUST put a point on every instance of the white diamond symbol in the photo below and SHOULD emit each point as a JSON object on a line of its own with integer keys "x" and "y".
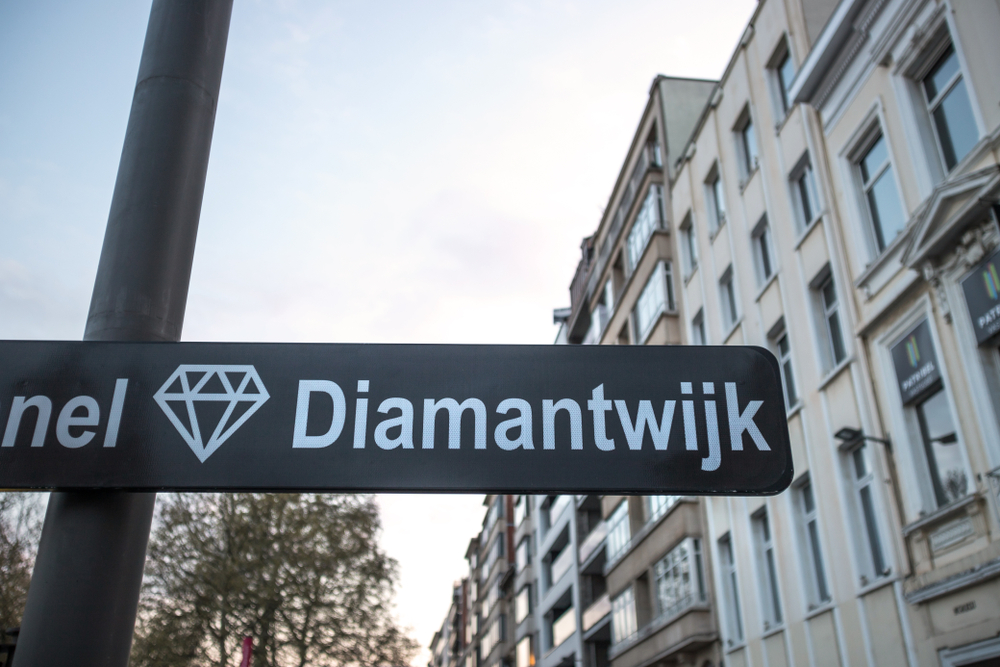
{"x": 208, "y": 387}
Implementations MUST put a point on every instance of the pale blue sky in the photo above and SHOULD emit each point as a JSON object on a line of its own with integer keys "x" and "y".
{"x": 381, "y": 172}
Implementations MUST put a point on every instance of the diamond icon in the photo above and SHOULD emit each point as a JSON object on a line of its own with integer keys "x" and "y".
{"x": 198, "y": 399}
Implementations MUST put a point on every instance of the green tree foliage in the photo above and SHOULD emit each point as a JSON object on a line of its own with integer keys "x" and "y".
{"x": 20, "y": 526}
{"x": 301, "y": 574}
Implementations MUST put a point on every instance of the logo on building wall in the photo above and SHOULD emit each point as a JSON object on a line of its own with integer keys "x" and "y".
{"x": 991, "y": 281}
{"x": 912, "y": 351}
{"x": 195, "y": 395}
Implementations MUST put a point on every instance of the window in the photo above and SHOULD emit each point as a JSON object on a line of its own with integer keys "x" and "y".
{"x": 648, "y": 219}
{"x": 731, "y": 591}
{"x": 949, "y": 108}
{"x": 495, "y": 551}
{"x": 944, "y": 454}
{"x": 520, "y": 509}
{"x": 657, "y": 506}
{"x": 809, "y": 544}
{"x": 783, "y": 350}
{"x": 623, "y": 621}
{"x": 619, "y": 532}
{"x": 767, "y": 574}
{"x": 827, "y": 291}
{"x": 727, "y": 295}
{"x": 746, "y": 144}
{"x": 493, "y": 636}
{"x": 804, "y": 198}
{"x": 863, "y": 480}
{"x": 556, "y": 506}
{"x": 563, "y": 627}
{"x": 523, "y": 554}
{"x": 525, "y": 653}
{"x": 761, "y": 241}
{"x": 784, "y": 73}
{"x": 689, "y": 249}
{"x": 715, "y": 200}
{"x": 493, "y": 595}
{"x": 679, "y": 581}
{"x": 698, "y": 328}
{"x": 881, "y": 196}
{"x": 522, "y": 604}
{"x": 656, "y": 297}
{"x": 495, "y": 512}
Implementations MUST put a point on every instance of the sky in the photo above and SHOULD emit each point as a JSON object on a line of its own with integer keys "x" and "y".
{"x": 394, "y": 172}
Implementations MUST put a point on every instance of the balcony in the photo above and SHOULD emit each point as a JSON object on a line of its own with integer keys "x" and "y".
{"x": 563, "y": 627}
{"x": 594, "y": 540}
{"x": 560, "y": 566}
{"x": 600, "y": 608}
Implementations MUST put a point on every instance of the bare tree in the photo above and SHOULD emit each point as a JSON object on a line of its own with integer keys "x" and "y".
{"x": 20, "y": 525}
{"x": 302, "y": 574}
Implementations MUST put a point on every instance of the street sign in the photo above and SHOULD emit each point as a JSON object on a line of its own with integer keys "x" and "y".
{"x": 381, "y": 418}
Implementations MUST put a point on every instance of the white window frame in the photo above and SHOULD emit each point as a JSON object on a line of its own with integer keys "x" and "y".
{"x": 624, "y": 625}
{"x": 814, "y": 564}
{"x": 802, "y": 183}
{"x": 872, "y": 545}
{"x": 789, "y": 381}
{"x": 699, "y": 336}
{"x": 831, "y": 356}
{"x": 619, "y": 531}
{"x": 689, "y": 245}
{"x": 747, "y": 146}
{"x": 656, "y": 298}
{"x": 679, "y": 573}
{"x": 730, "y": 592}
{"x": 657, "y": 506}
{"x": 783, "y": 104}
{"x": 763, "y": 252}
{"x": 873, "y": 132}
{"x": 729, "y": 300}
{"x": 772, "y": 608}
{"x": 715, "y": 199}
{"x": 649, "y": 219}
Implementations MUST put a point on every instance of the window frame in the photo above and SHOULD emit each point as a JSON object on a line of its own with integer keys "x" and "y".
{"x": 623, "y": 616}
{"x": 647, "y": 225}
{"x": 619, "y": 529}
{"x": 684, "y": 556}
{"x": 715, "y": 199}
{"x": 862, "y": 148}
{"x": 772, "y": 609}
{"x": 689, "y": 245}
{"x": 661, "y": 278}
{"x": 811, "y": 544}
{"x": 763, "y": 252}
{"x": 783, "y": 104}
{"x": 789, "y": 384}
{"x": 728, "y": 300}
{"x": 805, "y": 194}
{"x": 730, "y": 591}
{"x": 874, "y": 558}
{"x": 747, "y": 146}
{"x": 698, "y": 334}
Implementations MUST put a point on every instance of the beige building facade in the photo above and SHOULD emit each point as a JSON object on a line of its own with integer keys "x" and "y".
{"x": 834, "y": 199}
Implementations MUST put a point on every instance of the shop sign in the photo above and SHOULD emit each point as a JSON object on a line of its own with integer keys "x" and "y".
{"x": 916, "y": 362}
{"x": 982, "y": 295}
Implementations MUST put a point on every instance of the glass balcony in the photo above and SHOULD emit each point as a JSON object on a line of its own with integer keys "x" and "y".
{"x": 563, "y": 627}
{"x": 594, "y": 540}
{"x": 600, "y": 608}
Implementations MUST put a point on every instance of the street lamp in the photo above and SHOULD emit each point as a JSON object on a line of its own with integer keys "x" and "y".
{"x": 852, "y": 436}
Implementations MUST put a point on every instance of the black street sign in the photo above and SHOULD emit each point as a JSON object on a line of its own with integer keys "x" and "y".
{"x": 982, "y": 295}
{"x": 377, "y": 418}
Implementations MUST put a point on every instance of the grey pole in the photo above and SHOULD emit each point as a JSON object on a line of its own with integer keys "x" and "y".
{"x": 84, "y": 590}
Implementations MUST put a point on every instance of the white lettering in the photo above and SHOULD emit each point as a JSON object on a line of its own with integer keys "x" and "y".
{"x": 738, "y": 423}
{"x": 306, "y": 389}
{"x": 714, "y": 458}
{"x": 522, "y": 421}
{"x": 115, "y": 416}
{"x": 690, "y": 433}
{"x": 599, "y": 406}
{"x": 455, "y": 411}
{"x": 549, "y": 411}
{"x": 91, "y": 416}
{"x": 44, "y": 406}
{"x": 660, "y": 433}
{"x": 404, "y": 421}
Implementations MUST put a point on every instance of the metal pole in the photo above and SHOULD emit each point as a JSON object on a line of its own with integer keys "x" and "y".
{"x": 84, "y": 591}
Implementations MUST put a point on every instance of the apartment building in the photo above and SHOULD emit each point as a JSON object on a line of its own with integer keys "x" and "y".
{"x": 834, "y": 199}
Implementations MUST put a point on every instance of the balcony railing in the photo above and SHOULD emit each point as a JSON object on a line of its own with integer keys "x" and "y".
{"x": 600, "y": 608}
{"x": 563, "y": 627}
{"x": 561, "y": 564}
{"x": 594, "y": 540}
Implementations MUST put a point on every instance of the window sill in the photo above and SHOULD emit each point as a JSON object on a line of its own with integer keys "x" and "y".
{"x": 794, "y": 410}
{"x": 939, "y": 514}
{"x": 732, "y": 329}
{"x": 832, "y": 374}
{"x": 763, "y": 288}
{"x": 780, "y": 125}
{"x": 821, "y": 609}
{"x": 745, "y": 182}
{"x": 780, "y": 627}
{"x": 689, "y": 275}
{"x": 736, "y": 646}
{"x": 718, "y": 228}
{"x": 808, "y": 229}
{"x": 880, "y": 582}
